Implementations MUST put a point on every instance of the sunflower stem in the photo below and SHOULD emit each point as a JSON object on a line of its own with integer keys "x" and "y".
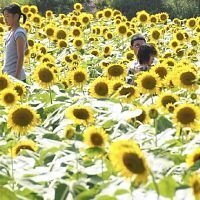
{"x": 50, "y": 95}
{"x": 155, "y": 126}
{"x": 12, "y": 168}
{"x": 155, "y": 184}
{"x": 75, "y": 150}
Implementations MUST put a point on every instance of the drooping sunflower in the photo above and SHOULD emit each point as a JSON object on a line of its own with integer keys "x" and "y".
{"x": 153, "y": 111}
{"x": 187, "y": 115}
{"x": 69, "y": 132}
{"x": 192, "y": 158}
{"x": 78, "y": 42}
{"x": 107, "y": 50}
{"x": 148, "y": 83}
{"x": 127, "y": 158}
{"x": 80, "y": 114}
{"x": 95, "y": 136}
{"x": 195, "y": 184}
{"x": 127, "y": 93}
{"x": 116, "y": 71}
{"x": 95, "y": 52}
{"x": 167, "y": 98}
{"x": 23, "y": 144}
{"x": 161, "y": 70}
{"x": 130, "y": 55}
{"x": 22, "y": 119}
{"x": 100, "y": 88}
{"x": 142, "y": 16}
{"x": 122, "y": 29}
{"x": 4, "y": 81}
{"x": 78, "y": 76}
{"x": 9, "y": 97}
{"x": 44, "y": 76}
{"x": 143, "y": 117}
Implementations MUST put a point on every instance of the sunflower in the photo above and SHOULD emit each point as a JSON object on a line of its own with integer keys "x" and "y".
{"x": 166, "y": 98}
{"x": 65, "y": 21}
{"x": 142, "y": 16}
{"x": 155, "y": 34}
{"x": 108, "y": 35}
{"x": 78, "y": 76}
{"x": 107, "y": 50}
{"x": 100, "y": 88}
{"x": 153, "y": 112}
{"x": 127, "y": 158}
{"x": 174, "y": 43}
{"x": 161, "y": 70}
{"x": 179, "y": 35}
{"x": 108, "y": 13}
{"x": 130, "y": 55}
{"x": 127, "y": 93}
{"x": 187, "y": 115}
{"x": 69, "y": 131}
{"x": 148, "y": 83}
{"x": 78, "y": 6}
{"x": 116, "y": 71}
{"x": 22, "y": 119}
{"x": 25, "y": 9}
{"x": 31, "y": 42}
{"x": 4, "y": 81}
{"x": 50, "y": 31}
{"x": 153, "y": 19}
{"x": 95, "y": 137}
{"x": 49, "y": 14}
{"x": 191, "y": 23}
{"x": 33, "y": 9}
{"x": 185, "y": 77}
{"x": 85, "y": 19}
{"x": 80, "y": 114}
{"x": 62, "y": 43}
{"x": 78, "y": 43}
{"x": 94, "y": 52}
{"x": 143, "y": 117}
{"x": 44, "y": 76}
{"x": 195, "y": 184}
{"x": 60, "y": 34}
{"x": 76, "y": 32}
{"x": 163, "y": 17}
{"x": 9, "y": 97}
{"x": 36, "y": 19}
{"x": 192, "y": 158}
{"x": 116, "y": 84}
{"x": 122, "y": 29}
{"x": 23, "y": 144}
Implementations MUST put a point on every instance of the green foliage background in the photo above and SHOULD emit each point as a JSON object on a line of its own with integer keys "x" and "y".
{"x": 175, "y": 8}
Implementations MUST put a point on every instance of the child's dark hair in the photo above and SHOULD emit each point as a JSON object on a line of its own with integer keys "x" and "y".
{"x": 137, "y": 37}
{"x": 15, "y": 9}
{"x": 145, "y": 52}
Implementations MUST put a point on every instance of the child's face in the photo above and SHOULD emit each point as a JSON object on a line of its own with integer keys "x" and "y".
{"x": 136, "y": 45}
{"x": 10, "y": 18}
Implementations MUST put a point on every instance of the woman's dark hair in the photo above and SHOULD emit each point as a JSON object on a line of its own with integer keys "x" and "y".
{"x": 145, "y": 52}
{"x": 15, "y": 9}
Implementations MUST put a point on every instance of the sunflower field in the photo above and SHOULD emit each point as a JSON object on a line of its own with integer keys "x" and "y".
{"x": 77, "y": 130}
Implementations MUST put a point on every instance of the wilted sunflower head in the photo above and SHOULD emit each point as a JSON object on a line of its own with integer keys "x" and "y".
{"x": 9, "y": 97}
{"x": 22, "y": 119}
{"x": 95, "y": 136}
{"x": 161, "y": 70}
{"x": 69, "y": 132}
{"x": 116, "y": 84}
{"x": 23, "y": 144}
{"x": 195, "y": 184}
{"x": 100, "y": 88}
{"x": 20, "y": 89}
{"x": 80, "y": 114}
